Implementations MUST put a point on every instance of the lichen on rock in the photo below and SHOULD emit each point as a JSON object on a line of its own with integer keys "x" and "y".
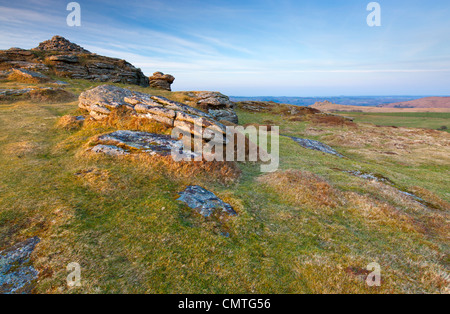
{"x": 205, "y": 202}
{"x": 103, "y": 100}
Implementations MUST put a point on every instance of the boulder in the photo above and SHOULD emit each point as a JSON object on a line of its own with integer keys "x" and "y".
{"x": 102, "y": 100}
{"x": 216, "y": 104}
{"x": 121, "y": 143}
{"x": 28, "y": 76}
{"x": 160, "y": 80}
{"x": 205, "y": 202}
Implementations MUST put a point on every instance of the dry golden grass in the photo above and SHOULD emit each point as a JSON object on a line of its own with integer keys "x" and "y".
{"x": 15, "y": 77}
{"x": 49, "y": 96}
{"x": 21, "y": 149}
{"x": 303, "y": 188}
{"x": 331, "y": 121}
{"x": 122, "y": 120}
{"x": 198, "y": 172}
{"x": 69, "y": 123}
{"x": 430, "y": 198}
{"x": 407, "y": 146}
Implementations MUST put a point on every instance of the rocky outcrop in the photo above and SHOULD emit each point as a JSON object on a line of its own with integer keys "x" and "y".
{"x": 103, "y": 100}
{"x": 17, "y": 274}
{"x": 160, "y": 80}
{"x": 205, "y": 202}
{"x": 60, "y": 44}
{"x": 216, "y": 104}
{"x": 62, "y": 58}
{"x": 316, "y": 145}
{"x": 96, "y": 68}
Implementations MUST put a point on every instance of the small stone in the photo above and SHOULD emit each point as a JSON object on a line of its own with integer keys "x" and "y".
{"x": 17, "y": 274}
{"x": 205, "y": 202}
{"x": 316, "y": 145}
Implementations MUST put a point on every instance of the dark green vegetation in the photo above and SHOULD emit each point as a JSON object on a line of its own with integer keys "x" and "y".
{"x": 308, "y": 228}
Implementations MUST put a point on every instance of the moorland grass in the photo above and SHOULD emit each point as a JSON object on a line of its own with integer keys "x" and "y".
{"x": 308, "y": 228}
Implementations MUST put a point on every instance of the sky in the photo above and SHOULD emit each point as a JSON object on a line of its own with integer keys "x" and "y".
{"x": 256, "y": 47}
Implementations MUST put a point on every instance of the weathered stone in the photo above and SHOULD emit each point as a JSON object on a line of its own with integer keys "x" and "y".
{"x": 16, "y": 271}
{"x": 128, "y": 142}
{"x": 25, "y": 74}
{"x": 60, "y": 44}
{"x": 205, "y": 202}
{"x": 109, "y": 150}
{"x": 14, "y": 92}
{"x": 160, "y": 80}
{"x": 216, "y": 104}
{"x": 101, "y": 100}
{"x": 65, "y": 59}
{"x": 316, "y": 145}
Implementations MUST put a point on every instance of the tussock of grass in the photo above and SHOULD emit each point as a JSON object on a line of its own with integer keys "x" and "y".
{"x": 430, "y": 198}
{"x": 69, "y": 123}
{"x": 302, "y": 188}
{"x": 16, "y": 77}
{"x": 49, "y": 96}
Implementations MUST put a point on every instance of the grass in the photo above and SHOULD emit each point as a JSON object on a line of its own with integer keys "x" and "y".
{"x": 427, "y": 120}
{"x": 308, "y": 228}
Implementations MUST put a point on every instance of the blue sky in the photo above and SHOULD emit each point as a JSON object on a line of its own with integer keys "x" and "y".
{"x": 257, "y": 47}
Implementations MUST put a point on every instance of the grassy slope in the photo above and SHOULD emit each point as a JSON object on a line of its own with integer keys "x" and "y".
{"x": 122, "y": 223}
{"x": 428, "y": 120}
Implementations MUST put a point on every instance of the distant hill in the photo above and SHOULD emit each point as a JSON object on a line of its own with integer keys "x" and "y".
{"x": 369, "y": 101}
{"x": 428, "y": 102}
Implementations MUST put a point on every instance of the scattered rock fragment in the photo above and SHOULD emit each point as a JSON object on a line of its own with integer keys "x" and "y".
{"x": 16, "y": 271}
{"x": 380, "y": 178}
{"x": 205, "y": 202}
{"x": 316, "y": 145}
{"x": 162, "y": 81}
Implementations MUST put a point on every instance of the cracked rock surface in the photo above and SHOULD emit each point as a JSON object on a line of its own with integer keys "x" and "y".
{"x": 216, "y": 104}
{"x": 121, "y": 143}
{"x": 102, "y": 100}
{"x": 205, "y": 202}
{"x": 16, "y": 271}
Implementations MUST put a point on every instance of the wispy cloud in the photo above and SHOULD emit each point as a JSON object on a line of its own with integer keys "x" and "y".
{"x": 258, "y": 45}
